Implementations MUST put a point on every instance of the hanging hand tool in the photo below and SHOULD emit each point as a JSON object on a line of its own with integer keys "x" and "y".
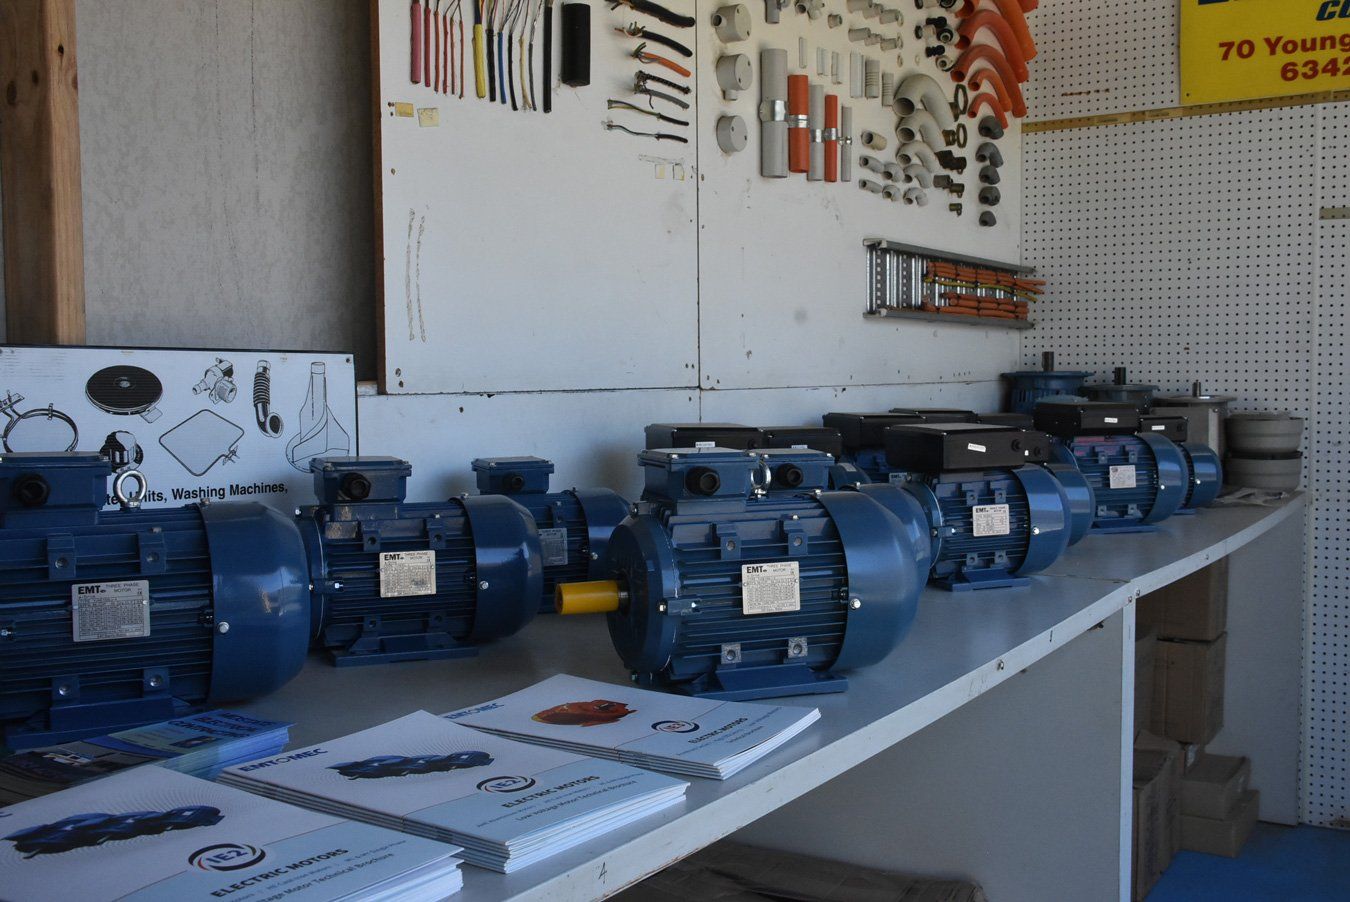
{"x": 417, "y": 42}
{"x": 656, "y": 59}
{"x": 641, "y": 77}
{"x": 635, "y": 30}
{"x": 548, "y": 56}
{"x": 656, "y": 11}
{"x": 660, "y": 136}
{"x": 625, "y": 105}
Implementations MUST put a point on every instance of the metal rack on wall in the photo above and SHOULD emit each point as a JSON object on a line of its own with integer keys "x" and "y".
{"x": 901, "y": 284}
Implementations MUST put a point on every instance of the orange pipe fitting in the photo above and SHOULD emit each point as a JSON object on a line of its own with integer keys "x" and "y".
{"x": 990, "y": 101}
{"x": 1012, "y": 11}
{"x": 987, "y": 18}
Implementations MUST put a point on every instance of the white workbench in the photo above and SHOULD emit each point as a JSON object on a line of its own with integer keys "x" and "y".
{"x": 1023, "y": 785}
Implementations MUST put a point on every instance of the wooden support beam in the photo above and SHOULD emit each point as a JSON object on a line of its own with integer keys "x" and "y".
{"x": 40, "y": 173}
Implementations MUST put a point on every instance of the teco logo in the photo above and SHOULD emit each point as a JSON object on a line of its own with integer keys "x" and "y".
{"x": 226, "y": 856}
{"x": 506, "y": 784}
{"x": 675, "y": 726}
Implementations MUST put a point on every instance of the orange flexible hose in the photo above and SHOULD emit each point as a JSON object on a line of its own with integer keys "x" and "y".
{"x": 987, "y": 18}
{"x": 1012, "y": 11}
{"x": 989, "y": 54}
{"x": 990, "y": 101}
{"x": 993, "y": 80}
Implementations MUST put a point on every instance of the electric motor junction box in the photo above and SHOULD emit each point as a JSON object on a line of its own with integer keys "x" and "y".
{"x": 865, "y": 430}
{"x": 817, "y": 438}
{"x": 1169, "y": 427}
{"x": 1070, "y": 419}
{"x": 941, "y": 448}
{"x": 689, "y": 435}
{"x": 1016, "y": 420}
{"x": 939, "y": 414}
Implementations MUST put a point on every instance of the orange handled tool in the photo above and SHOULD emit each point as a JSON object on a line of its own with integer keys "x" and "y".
{"x": 799, "y": 136}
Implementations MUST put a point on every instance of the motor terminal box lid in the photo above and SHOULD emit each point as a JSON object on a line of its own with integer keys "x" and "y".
{"x": 1169, "y": 427}
{"x": 698, "y": 473}
{"x": 939, "y": 414}
{"x": 348, "y": 480}
{"x": 864, "y": 430}
{"x": 689, "y": 435}
{"x": 1016, "y": 420}
{"x": 817, "y": 438}
{"x": 1070, "y": 419}
{"x": 943, "y": 447}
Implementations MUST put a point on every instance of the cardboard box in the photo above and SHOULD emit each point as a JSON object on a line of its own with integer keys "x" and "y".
{"x": 1188, "y": 690}
{"x": 1145, "y": 654}
{"x": 1226, "y": 836}
{"x": 1214, "y": 785}
{"x": 1151, "y": 770}
{"x": 1169, "y": 794}
{"x": 1194, "y": 607}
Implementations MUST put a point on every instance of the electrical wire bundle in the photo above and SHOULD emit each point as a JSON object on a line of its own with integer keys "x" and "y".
{"x": 503, "y": 49}
{"x": 977, "y": 291}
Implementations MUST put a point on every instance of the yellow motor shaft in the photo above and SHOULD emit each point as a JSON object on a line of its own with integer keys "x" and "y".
{"x": 595, "y": 597}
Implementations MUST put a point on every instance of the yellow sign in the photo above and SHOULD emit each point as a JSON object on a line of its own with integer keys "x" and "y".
{"x": 1248, "y": 49}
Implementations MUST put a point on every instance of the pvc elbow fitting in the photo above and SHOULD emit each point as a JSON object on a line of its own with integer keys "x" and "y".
{"x": 915, "y": 172}
{"x": 988, "y": 219}
{"x": 990, "y": 196}
{"x": 918, "y": 152}
{"x": 916, "y": 196}
{"x": 921, "y": 125}
{"x": 989, "y": 175}
{"x": 922, "y": 90}
{"x": 988, "y": 152}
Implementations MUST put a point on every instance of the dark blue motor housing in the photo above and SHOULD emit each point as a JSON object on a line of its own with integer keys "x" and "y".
{"x": 995, "y": 519}
{"x": 1030, "y": 387}
{"x": 1204, "y": 470}
{"x": 732, "y": 591}
{"x": 574, "y": 525}
{"x": 400, "y": 581}
{"x": 1137, "y": 480}
{"x": 177, "y": 607}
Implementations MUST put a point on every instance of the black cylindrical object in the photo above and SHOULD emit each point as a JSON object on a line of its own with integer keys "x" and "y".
{"x": 575, "y": 69}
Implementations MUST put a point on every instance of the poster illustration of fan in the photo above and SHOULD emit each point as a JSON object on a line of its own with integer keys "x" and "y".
{"x": 198, "y": 424}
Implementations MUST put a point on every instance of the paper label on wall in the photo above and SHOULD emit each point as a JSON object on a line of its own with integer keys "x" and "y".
{"x": 553, "y": 546}
{"x": 1122, "y": 477}
{"x": 406, "y": 573}
{"x": 1247, "y": 49}
{"x": 118, "y": 610}
{"x": 990, "y": 520}
{"x": 772, "y": 588}
{"x": 186, "y": 420}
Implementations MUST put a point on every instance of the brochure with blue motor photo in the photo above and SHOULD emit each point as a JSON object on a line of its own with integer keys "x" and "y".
{"x": 153, "y": 835}
{"x": 507, "y": 803}
{"x": 675, "y": 733}
{"x": 199, "y": 744}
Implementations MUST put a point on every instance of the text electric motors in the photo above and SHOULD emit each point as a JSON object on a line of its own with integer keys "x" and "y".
{"x": 573, "y": 525}
{"x": 995, "y": 516}
{"x": 1137, "y": 479}
{"x": 110, "y": 619}
{"x": 722, "y": 589}
{"x": 396, "y": 581}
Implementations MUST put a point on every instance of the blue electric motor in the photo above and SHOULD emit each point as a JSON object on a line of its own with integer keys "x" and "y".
{"x": 574, "y": 525}
{"x": 865, "y": 441}
{"x": 1137, "y": 479}
{"x": 719, "y": 588}
{"x": 113, "y": 619}
{"x": 1029, "y": 387}
{"x": 995, "y": 516}
{"x": 400, "y": 581}
{"x": 1204, "y": 470}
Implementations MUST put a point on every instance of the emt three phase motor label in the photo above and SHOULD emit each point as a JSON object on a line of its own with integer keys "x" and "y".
{"x": 1250, "y": 49}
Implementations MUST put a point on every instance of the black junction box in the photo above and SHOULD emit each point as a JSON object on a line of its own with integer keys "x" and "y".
{"x": 1070, "y": 419}
{"x": 687, "y": 435}
{"x": 864, "y": 430}
{"x": 939, "y": 414}
{"x": 943, "y": 447}
{"x": 817, "y": 438}
{"x": 1174, "y": 428}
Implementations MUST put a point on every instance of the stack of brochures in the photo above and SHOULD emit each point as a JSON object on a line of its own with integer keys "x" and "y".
{"x": 508, "y": 804}
{"x": 153, "y": 835}
{"x": 200, "y": 745}
{"x": 675, "y": 733}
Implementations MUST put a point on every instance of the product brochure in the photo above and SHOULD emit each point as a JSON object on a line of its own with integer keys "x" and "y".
{"x": 508, "y": 804}
{"x": 199, "y": 745}
{"x": 675, "y": 733}
{"x": 153, "y": 835}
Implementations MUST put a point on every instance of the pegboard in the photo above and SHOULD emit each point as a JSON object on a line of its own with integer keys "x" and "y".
{"x": 1326, "y": 739}
{"x": 1098, "y": 58}
{"x": 1183, "y": 249}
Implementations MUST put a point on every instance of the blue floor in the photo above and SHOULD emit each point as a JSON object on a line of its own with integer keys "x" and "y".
{"x": 1298, "y": 864}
